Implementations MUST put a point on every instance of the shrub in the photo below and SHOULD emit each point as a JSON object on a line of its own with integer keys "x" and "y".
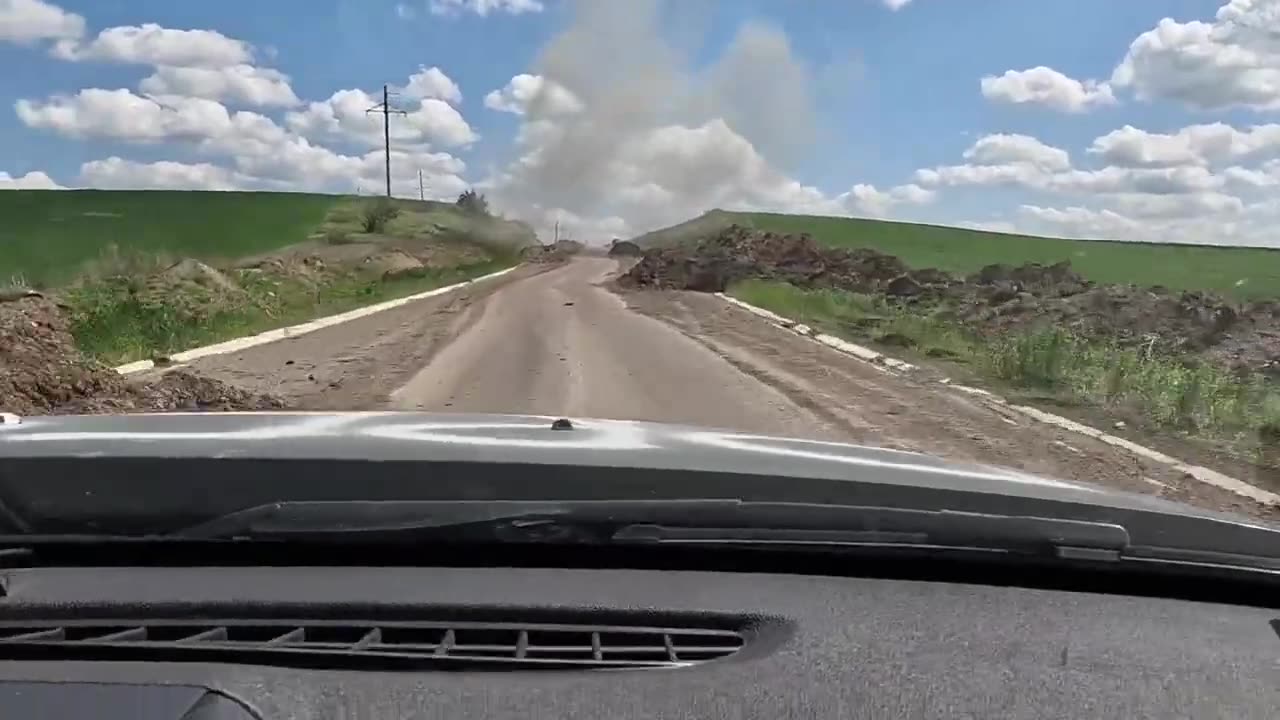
{"x": 377, "y": 214}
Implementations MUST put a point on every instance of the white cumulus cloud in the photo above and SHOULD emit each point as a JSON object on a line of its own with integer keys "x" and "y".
{"x": 122, "y": 115}
{"x": 524, "y": 90}
{"x": 432, "y": 83}
{"x": 345, "y": 117}
{"x": 151, "y": 44}
{"x": 864, "y": 199}
{"x": 1048, "y": 87}
{"x": 28, "y": 21}
{"x": 243, "y": 84}
{"x": 1231, "y": 61}
{"x": 33, "y": 180}
{"x": 115, "y": 173}
{"x": 999, "y": 149}
{"x": 1192, "y": 145}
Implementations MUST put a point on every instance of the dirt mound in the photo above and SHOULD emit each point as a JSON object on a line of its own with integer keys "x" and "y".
{"x": 556, "y": 252}
{"x": 1238, "y": 336}
{"x": 624, "y": 248}
{"x": 392, "y": 264}
{"x": 1057, "y": 280}
{"x": 739, "y": 253}
{"x": 994, "y": 300}
{"x": 42, "y": 372}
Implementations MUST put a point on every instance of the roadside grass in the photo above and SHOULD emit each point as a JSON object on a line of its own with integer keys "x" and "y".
{"x": 349, "y": 220}
{"x": 133, "y": 267}
{"x": 1242, "y": 273}
{"x": 1050, "y": 364}
{"x": 115, "y": 320}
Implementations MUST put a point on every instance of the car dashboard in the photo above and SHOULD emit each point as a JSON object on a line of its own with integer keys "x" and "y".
{"x": 633, "y": 643}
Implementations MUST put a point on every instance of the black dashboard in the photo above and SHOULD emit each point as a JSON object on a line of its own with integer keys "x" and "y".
{"x": 815, "y": 646}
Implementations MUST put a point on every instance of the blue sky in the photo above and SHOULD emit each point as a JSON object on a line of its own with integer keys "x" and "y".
{"x": 1128, "y": 120}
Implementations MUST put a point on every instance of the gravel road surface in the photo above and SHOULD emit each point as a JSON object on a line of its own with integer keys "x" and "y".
{"x": 558, "y": 340}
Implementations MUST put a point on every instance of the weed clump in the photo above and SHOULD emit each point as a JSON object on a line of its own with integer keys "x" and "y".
{"x": 377, "y": 214}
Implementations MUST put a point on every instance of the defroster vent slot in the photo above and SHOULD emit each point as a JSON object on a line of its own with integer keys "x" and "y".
{"x": 355, "y": 645}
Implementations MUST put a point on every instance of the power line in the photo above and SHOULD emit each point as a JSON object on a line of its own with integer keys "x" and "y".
{"x": 387, "y": 111}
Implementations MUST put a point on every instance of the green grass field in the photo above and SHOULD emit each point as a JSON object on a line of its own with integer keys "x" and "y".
{"x": 48, "y": 236}
{"x": 1239, "y": 272}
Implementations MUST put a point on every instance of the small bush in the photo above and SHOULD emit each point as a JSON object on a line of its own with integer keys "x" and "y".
{"x": 377, "y": 214}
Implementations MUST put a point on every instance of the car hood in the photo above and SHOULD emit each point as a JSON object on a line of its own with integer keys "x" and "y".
{"x": 672, "y": 454}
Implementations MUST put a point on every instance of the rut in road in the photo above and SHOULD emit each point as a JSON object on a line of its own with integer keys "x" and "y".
{"x": 559, "y": 341}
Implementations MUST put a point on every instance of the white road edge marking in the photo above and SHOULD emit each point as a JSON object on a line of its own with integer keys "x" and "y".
{"x": 302, "y": 328}
{"x": 895, "y": 366}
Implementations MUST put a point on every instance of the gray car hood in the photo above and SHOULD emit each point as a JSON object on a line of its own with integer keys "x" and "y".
{"x": 522, "y": 440}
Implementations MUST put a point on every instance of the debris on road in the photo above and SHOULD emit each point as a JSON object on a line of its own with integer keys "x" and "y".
{"x": 996, "y": 299}
{"x": 42, "y": 372}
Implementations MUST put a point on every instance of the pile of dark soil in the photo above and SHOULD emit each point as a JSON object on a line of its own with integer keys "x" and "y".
{"x": 42, "y": 372}
{"x": 624, "y": 248}
{"x": 994, "y": 300}
{"x": 738, "y": 253}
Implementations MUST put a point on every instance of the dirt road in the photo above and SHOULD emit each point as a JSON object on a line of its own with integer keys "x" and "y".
{"x": 558, "y": 341}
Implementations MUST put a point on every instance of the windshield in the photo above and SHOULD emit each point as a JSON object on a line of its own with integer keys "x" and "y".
{"x": 1008, "y": 248}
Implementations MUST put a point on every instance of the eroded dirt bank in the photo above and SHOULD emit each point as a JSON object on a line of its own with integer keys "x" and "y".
{"x": 42, "y": 372}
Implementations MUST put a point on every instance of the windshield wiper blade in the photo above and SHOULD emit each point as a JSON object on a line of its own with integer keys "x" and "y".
{"x": 1067, "y": 539}
{"x": 354, "y": 520}
{"x": 721, "y": 521}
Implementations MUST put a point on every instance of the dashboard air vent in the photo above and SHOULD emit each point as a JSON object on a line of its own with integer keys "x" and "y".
{"x": 357, "y": 645}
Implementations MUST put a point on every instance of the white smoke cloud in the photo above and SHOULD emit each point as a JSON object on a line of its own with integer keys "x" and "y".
{"x": 651, "y": 140}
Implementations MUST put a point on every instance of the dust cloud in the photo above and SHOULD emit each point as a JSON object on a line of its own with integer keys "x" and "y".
{"x": 654, "y": 135}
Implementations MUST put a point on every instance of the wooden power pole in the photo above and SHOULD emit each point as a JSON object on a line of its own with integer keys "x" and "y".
{"x": 387, "y": 111}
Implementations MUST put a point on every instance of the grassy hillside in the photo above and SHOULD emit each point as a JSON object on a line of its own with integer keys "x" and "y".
{"x": 48, "y": 237}
{"x": 150, "y": 273}
{"x": 1241, "y": 272}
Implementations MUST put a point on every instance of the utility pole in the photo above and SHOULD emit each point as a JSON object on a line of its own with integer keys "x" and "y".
{"x": 422, "y": 195}
{"x": 387, "y": 111}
